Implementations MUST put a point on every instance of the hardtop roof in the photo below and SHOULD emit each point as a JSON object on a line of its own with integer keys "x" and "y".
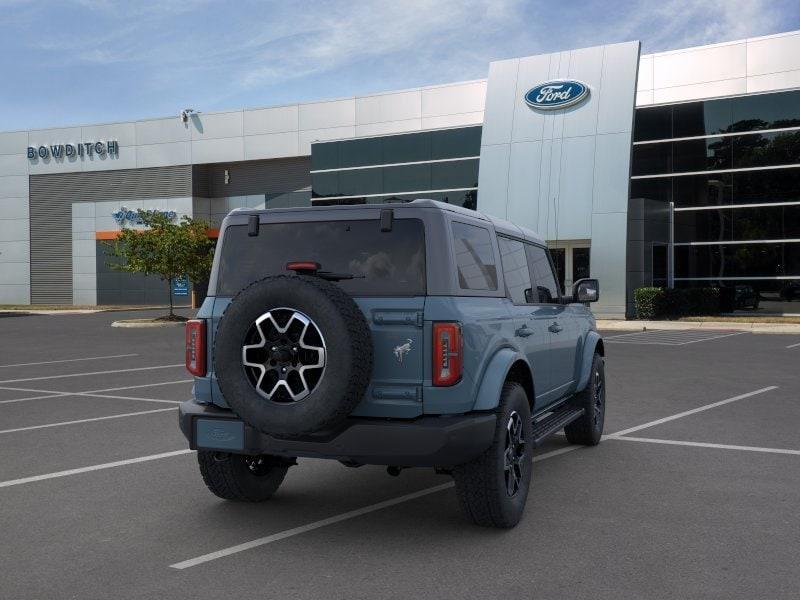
{"x": 500, "y": 225}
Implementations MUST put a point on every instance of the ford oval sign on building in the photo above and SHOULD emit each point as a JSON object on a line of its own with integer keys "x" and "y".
{"x": 556, "y": 94}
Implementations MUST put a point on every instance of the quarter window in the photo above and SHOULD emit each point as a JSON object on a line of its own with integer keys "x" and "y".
{"x": 515, "y": 270}
{"x": 474, "y": 257}
{"x": 544, "y": 280}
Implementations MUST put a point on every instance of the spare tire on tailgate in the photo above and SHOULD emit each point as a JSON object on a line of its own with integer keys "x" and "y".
{"x": 293, "y": 355}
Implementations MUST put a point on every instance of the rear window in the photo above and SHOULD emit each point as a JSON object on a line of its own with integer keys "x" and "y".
{"x": 388, "y": 263}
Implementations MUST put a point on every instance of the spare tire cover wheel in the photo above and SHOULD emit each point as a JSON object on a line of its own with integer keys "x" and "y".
{"x": 293, "y": 355}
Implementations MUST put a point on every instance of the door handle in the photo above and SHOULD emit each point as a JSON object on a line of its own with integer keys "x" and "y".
{"x": 555, "y": 328}
{"x": 523, "y": 331}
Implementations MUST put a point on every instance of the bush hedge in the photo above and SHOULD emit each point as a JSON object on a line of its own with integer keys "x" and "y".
{"x": 664, "y": 303}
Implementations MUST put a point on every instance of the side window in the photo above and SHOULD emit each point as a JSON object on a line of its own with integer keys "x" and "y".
{"x": 474, "y": 257}
{"x": 515, "y": 270}
{"x": 544, "y": 280}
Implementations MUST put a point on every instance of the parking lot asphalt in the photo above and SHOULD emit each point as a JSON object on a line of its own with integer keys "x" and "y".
{"x": 99, "y": 498}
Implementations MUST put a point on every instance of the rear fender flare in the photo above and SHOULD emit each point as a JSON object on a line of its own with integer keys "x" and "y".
{"x": 593, "y": 344}
{"x": 494, "y": 376}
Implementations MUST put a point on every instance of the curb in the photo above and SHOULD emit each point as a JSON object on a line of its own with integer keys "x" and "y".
{"x": 618, "y": 325}
{"x": 147, "y": 324}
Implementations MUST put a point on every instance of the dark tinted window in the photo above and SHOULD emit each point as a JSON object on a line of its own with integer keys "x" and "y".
{"x": 407, "y": 178}
{"x": 325, "y": 156}
{"x": 474, "y": 257}
{"x": 455, "y": 174}
{"x": 652, "y": 159}
{"x": 702, "y": 155}
{"x": 766, "y": 111}
{"x": 455, "y": 143}
{"x": 734, "y": 224}
{"x": 775, "y": 185}
{"x": 409, "y": 147}
{"x": 356, "y": 153}
{"x": 659, "y": 188}
{"x": 766, "y": 149}
{"x": 406, "y": 148}
{"x": 466, "y": 198}
{"x": 325, "y": 184}
{"x": 360, "y": 181}
{"x": 703, "y": 190}
{"x": 515, "y": 270}
{"x": 738, "y": 260}
{"x": 701, "y": 118}
{"x": 544, "y": 280}
{"x": 653, "y": 123}
{"x": 719, "y": 189}
{"x": 659, "y": 265}
{"x": 391, "y": 263}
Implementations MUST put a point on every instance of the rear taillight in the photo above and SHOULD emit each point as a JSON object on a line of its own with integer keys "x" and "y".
{"x": 447, "y": 353}
{"x": 196, "y": 347}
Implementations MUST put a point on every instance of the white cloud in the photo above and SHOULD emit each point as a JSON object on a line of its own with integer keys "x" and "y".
{"x": 423, "y": 30}
{"x": 675, "y": 24}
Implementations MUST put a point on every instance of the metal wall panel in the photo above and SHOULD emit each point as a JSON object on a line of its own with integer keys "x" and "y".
{"x": 565, "y": 172}
{"x": 51, "y": 198}
{"x": 253, "y": 177}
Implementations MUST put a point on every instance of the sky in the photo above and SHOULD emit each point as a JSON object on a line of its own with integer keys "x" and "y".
{"x": 72, "y": 62}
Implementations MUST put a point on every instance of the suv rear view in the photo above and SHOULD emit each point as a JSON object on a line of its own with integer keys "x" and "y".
{"x": 356, "y": 333}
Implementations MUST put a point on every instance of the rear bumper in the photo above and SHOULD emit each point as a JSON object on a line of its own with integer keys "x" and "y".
{"x": 423, "y": 442}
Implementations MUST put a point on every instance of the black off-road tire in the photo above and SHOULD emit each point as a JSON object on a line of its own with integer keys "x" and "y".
{"x": 242, "y": 478}
{"x": 481, "y": 485}
{"x": 588, "y": 429}
{"x": 348, "y": 355}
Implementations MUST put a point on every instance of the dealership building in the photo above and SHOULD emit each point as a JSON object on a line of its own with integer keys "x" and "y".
{"x": 677, "y": 168}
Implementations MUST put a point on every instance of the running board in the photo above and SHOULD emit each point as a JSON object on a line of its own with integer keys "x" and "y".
{"x": 555, "y": 421}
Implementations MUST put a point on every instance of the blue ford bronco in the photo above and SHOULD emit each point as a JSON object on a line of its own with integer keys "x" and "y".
{"x": 412, "y": 334}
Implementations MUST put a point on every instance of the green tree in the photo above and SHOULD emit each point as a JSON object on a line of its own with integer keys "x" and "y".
{"x": 165, "y": 248}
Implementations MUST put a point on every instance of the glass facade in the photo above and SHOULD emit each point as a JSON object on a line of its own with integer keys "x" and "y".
{"x": 442, "y": 165}
{"x": 731, "y": 169}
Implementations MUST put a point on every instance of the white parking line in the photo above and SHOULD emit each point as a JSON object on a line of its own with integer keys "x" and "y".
{"x": 92, "y": 373}
{"x": 110, "y": 465}
{"x": 114, "y": 397}
{"x": 62, "y": 423}
{"x": 66, "y": 360}
{"x": 95, "y": 393}
{"x": 792, "y": 346}
{"x": 281, "y": 535}
{"x": 693, "y": 411}
{"x": 707, "y": 445}
{"x": 672, "y": 337}
{"x": 380, "y": 505}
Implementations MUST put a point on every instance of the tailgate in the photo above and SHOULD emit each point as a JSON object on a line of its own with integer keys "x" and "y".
{"x": 398, "y": 344}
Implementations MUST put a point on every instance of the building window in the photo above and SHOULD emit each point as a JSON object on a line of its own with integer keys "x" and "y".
{"x": 441, "y": 165}
{"x": 731, "y": 169}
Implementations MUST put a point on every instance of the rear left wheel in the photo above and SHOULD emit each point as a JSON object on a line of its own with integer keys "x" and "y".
{"x": 240, "y": 477}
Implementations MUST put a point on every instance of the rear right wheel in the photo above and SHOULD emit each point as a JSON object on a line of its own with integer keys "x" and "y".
{"x": 493, "y": 488}
{"x": 240, "y": 477}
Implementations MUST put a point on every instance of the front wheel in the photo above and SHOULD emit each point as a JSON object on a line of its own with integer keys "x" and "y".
{"x": 493, "y": 488}
{"x": 240, "y": 477}
{"x": 588, "y": 429}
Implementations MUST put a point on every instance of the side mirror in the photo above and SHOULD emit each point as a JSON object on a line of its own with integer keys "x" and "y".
{"x": 586, "y": 290}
